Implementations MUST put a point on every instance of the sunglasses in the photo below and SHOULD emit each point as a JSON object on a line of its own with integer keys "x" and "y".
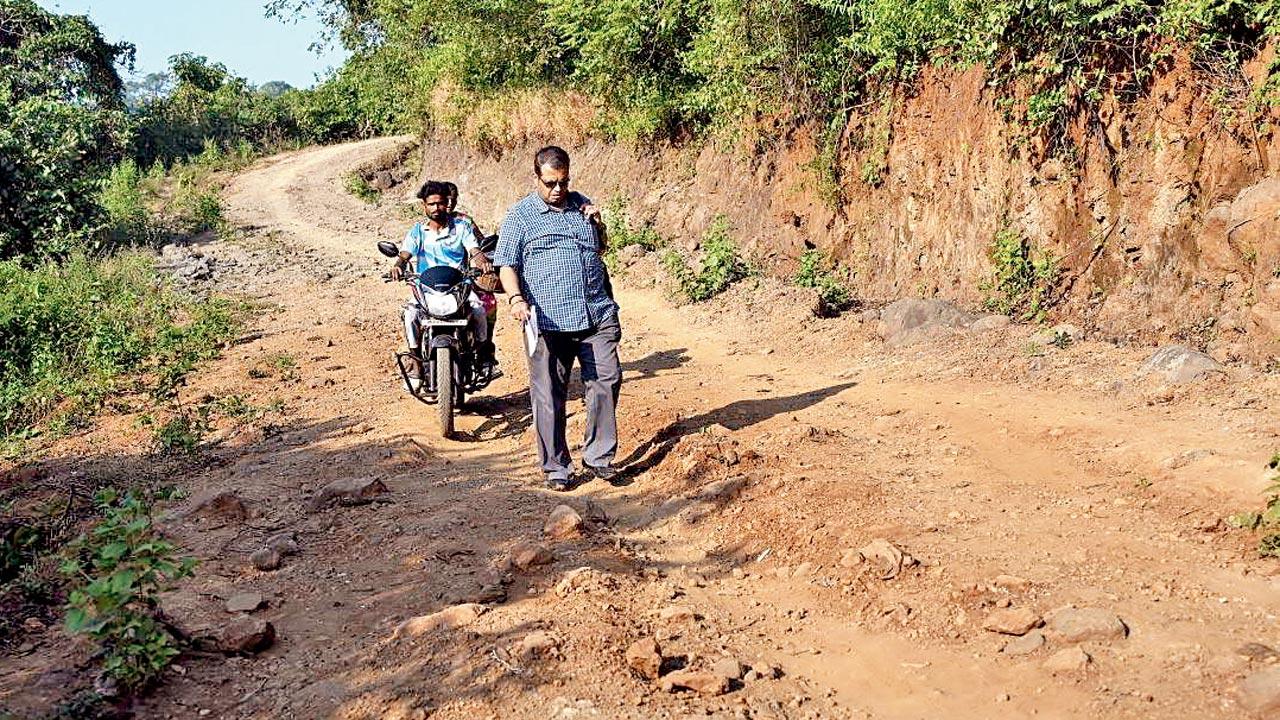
{"x": 548, "y": 184}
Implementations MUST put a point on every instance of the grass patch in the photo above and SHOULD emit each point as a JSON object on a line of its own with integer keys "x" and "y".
{"x": 357, "y": 185}
{"x": 820, "y": 272}
{"x": 76, "y": 332}
{"x": 719, "y": 267}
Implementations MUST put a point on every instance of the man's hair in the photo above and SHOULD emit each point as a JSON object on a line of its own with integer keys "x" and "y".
{"x": 433, "y": 187}
{"x": 453, "y": 190}
{"x": 552, "y": 156}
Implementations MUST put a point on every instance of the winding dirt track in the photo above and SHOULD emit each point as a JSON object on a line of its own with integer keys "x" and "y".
{"x": 838, "y": 441}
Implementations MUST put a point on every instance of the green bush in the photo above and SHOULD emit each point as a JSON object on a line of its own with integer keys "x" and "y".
{"x": 818, "y": 271}
{"x": 74, "y": 332}
{"x": 719, "y": 267}
{"x": 118, "y": 570}
{"x": 624, "y": 231}
{"x": 62, "y": 124}
{"x": 124, "y": 200}
{"x": 1022, "y": 277}
{"x": 355, "y": 184}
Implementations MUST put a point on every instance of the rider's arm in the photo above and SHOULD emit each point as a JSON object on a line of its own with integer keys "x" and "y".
{"x": 397, "y": 269}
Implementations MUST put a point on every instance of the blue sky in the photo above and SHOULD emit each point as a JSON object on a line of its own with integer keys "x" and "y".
{"x": 236, "y": 33}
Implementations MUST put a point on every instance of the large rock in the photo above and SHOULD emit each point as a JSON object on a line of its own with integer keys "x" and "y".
{"x": 1260, "y": 692}
{"x": 528, "y": 554}
{"x": 245, "y": 602}
{"x": 905, "y": 321}
{"x": 538, "y": 644}
{"x": 220, "y": 504}
{"x": 1024, "y": 645}
{"x": 348, "y": 491}
{"x": 266, "y": 559}
{"x": 1178, "y": 364}
{"x": 1080, "y": 624}
{"x": 285, "y": 543}
{"x": 705, "y": 683}
{"x": 1070, "y": 660}
{"x": 447, "y": 619}
{"x": 245, "y": 636}
{"x": 645, "y": 658}
{"x": 1014, "y": 621}
{"x": 564, "y": 523}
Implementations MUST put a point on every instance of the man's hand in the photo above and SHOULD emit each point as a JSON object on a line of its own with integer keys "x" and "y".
{"x": 481, "y": 262}
{"x": 397, "y": 272}
{"x": 519, "y": 310}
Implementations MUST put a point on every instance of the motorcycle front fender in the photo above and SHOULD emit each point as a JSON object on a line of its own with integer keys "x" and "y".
{"x": 440, "y": 341}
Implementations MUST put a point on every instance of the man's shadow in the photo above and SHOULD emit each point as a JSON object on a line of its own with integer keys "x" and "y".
{"x": 734, "y": 416}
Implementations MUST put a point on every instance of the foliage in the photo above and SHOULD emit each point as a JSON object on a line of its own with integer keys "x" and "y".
{"x": 624, "y": 231}
{"x": 818, "y": 271}
{"x": 1268, "y": 519}
{"x": 1022, "y": 276}
{"x": 182, "y": 432}
{"x": 208, "y": 107}
{"x": 120, "y": 567}
{"x": 679, "y": 68}
{"x": 719, "y": 267}
{"x": 357, "y": 185}
{"x": 62, "y": 123}
{"x": 74, "y": 332}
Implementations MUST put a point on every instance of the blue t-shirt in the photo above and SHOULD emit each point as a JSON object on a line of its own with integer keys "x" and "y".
{"x": 448, "y": 246}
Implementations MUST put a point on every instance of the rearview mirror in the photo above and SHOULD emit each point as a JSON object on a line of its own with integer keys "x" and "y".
{"x": 388, "y": 248}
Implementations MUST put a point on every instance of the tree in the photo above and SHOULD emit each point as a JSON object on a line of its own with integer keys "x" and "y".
{"x": 275, "y": 88}
{"x": 149, "y": 89}
{"x": 62, "y": 123}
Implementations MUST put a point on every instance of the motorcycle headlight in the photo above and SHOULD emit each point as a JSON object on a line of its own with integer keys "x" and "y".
{"x": 442, "y": 304}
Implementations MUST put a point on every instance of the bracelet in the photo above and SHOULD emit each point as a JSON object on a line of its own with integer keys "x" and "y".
{"x": 512, "y": 300}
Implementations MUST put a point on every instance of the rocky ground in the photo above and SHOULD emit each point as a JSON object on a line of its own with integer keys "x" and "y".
{"x": 911, "y": 512}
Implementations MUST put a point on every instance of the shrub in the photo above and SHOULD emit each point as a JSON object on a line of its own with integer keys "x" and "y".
{"x": 1022, "y": 277}
{"x": 719, "y": 267}
{"x": 119, "y": 568}
{"x": 1268, "y": 519}
{"x": 623, "y": 231}
{"x": 123, "y": 197}
{"x": 74, "y": 332}
{"x": 818, "y": 271}
{"x": 357, "y": 185}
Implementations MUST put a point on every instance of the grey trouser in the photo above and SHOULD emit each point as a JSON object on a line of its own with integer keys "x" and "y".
{"x": 596, "y": 350}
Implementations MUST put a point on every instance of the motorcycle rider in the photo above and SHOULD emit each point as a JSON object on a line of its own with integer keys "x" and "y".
{"x": 440, "y": 239}
{"x": 486, "y": 285}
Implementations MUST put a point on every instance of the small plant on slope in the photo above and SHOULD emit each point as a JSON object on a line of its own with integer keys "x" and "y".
{"x": 1268, "y": 519}
{"x": 818, "y": 271}
{"x": 120, "y": 567}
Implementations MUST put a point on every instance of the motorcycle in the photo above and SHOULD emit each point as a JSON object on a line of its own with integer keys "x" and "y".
{"x": 446, "y": 368}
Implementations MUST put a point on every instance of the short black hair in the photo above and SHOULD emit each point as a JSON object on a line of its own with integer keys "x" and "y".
{"x": 453, "y": 189}
{"x": 552, "y": 156}
{"x": 433, "y": 187}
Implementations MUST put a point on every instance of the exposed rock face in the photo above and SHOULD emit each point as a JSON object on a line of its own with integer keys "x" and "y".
{"x": 1152, "y": 247}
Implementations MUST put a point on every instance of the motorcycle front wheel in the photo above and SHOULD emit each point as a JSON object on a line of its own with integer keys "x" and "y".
{"x": 444, "y": 390}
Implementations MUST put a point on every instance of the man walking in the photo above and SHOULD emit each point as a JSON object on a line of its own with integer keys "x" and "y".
{"x": 549, "y": 250}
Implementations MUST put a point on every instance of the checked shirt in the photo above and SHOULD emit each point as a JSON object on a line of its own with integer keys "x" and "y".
{"x": 556, "y": 255}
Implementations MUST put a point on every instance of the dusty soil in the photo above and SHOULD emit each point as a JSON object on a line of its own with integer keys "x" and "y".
{"x": 763, "y": 445}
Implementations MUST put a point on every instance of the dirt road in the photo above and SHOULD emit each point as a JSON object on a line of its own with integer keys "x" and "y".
{"x": 762, "y": 459}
